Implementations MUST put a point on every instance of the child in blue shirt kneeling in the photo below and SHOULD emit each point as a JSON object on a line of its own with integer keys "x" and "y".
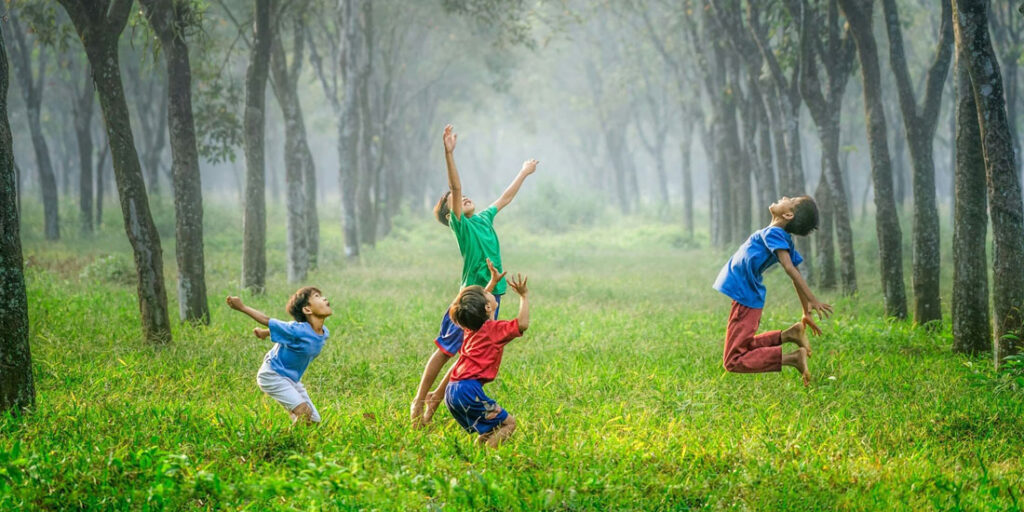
{"x": 296, "y": 344}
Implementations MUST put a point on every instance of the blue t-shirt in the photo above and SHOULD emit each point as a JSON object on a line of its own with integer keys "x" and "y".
{"x": 296, "y": 344}
{"x": 740, "y": 278}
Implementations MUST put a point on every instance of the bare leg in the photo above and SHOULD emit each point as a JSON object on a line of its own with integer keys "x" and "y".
{"x": 302, "y": 413}
{"x": 434, "y": 365}
{"x": 499, "y": 434}
{"x": 797, "y": 333}
{"x": 798, "y": 359}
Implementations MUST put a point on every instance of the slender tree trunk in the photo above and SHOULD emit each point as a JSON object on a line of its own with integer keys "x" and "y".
{"x": 826, "y": 252}
{"x": 858, "y": 14}
{"x": 168, "y": 20}
{"x": 254, "y": 253}
{"x": 972, "y": 328}
{"x": 919, "y": 126}
{"x": 348, "y": 125}
{"x": 31, "y": 84}
{"x": 1004, "y": 194}
{"x": 687, "y": 177}
{"x": 17, "y": 390}
{"x": 99, "y": 26}
{"x": 101, "y": 182}
{"x": 294, "y": 144}
{"x": 83, "y": 107}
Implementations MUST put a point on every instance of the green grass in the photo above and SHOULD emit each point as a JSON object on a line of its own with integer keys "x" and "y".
{"x": 617, "y": 387}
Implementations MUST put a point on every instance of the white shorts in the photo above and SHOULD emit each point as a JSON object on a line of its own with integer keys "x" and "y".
{"x": 287, "y": 392}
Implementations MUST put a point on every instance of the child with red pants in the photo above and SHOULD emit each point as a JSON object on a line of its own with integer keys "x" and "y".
{"x": 740, "y": 279}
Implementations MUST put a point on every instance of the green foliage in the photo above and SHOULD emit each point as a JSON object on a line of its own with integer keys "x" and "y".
{"x": 112, "y": 269}
{"x": 617, "y": 386}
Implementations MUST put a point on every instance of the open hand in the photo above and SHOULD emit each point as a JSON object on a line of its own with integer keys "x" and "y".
{"x": 518, "y": 283}
{"x": 529, "y": 167}
{"x": 235, "y": 302}
{"x": 823, "y": 310}
{"x": 808, "y": 322}
{"x": 450, "y": 137}
{"x": 495, "y": 276}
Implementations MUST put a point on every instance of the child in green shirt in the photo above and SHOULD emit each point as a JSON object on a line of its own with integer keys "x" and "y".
{"x": 478, "y": 243}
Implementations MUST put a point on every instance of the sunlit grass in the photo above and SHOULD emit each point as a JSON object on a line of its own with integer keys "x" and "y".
{"x": 618, "y": 388}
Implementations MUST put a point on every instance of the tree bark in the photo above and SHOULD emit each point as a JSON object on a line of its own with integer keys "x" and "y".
{"x": 17, "y": 390}
{"x": 101, "y": 181}
{"x": 826, "y": 111}
{"x": 972, "y": 328}
{"x": 919, "y": 123}
{"x": 887, "y": 223}
{"x": 1004, "y": 194}
{"x": 687, "y": 178}
{"x": 31, "y": 83}
{"x": 99, "y": 25}
{"x": 254, "y": 256}
{"x": 296, "y": 154}
{"x": 82, "y": 109}
{"x": 168, "y": 19}
{"x": 348, "y": 125}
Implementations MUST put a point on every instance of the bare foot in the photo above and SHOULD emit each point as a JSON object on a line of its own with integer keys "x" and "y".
{"x": 797, "y": 333}
{"x": 801, "y": 364}
{"x": 430, "y": 405}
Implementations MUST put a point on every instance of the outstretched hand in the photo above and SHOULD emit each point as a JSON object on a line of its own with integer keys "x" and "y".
{"x": 518, "y": 283}
{"x": 808, "y": 322}
{"x": 450, "y": 137}
{"x": 495, "y": 276}
{"x": 235, "y": 302}
{"x": 529, "y": 166}
{"x": 823, "y": 310}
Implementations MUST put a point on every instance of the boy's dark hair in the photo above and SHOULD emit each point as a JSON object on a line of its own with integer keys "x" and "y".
{"x": 299, "y": 300}
{"x": 469, "y": 310}
{"x": 441, "y": 209}
{"x": 805, "y": 217}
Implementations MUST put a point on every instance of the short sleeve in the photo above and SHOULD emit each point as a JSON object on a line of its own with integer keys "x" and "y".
{"x": 507, "y": 330}
{"x": 283, "y": 332}
{"x": 777, "y": 238}
{"x": 488, "y": 214}
{"x": 795, "y": 257}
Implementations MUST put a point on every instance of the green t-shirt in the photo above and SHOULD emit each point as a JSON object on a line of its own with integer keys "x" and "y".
{"x": 478, "y": 242}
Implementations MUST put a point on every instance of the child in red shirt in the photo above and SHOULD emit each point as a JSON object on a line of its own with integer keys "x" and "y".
{"x": 479, "y": 359}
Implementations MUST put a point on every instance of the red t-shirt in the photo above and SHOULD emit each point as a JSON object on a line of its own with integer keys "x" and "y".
{"x": 481, "y": 350}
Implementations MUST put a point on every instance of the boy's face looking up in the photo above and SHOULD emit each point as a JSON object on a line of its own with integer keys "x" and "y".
{"x": 318, "y": 306}
{"x": 467, "y": 206}
{"x": 784, "y": 207}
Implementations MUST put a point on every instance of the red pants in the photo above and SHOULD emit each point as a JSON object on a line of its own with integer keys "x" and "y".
{"x": 746, "y": 351}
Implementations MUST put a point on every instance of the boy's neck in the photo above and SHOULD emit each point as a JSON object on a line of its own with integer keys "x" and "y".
{"x": 316, "y": 322}
{"x": 778, "y": 222}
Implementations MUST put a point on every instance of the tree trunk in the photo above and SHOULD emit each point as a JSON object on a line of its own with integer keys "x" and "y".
{"x": 972, "y": 328}
{"x": 82, "y": 109}
{"x": 294, "y": 144}
{"x": 1004, "y": 193}
{"x": 887, "y": 224}
{"x": 101, "y": 181}
{"x": 254, "y": 257}
{"x": 17, "y": 390}
{"x": 99, "y": 27}
{"x": 348, "y": 124}
{"x": 31, "y": 84}
{"x": 919, "y": 125}
{"x": 687, "y": 178}
{"x": 168, "y": 20}
{"x": 826, "y": 252}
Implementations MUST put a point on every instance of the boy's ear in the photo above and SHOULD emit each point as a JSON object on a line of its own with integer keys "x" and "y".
{"x": 788, "y": 215}
{"x": 306, "y": 310}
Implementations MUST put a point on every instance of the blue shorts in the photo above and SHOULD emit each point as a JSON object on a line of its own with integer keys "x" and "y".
{"x": 449, "y": 339}
{"x": 471, "y": 407}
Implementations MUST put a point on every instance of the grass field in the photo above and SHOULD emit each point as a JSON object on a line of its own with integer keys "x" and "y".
{"x": 618, "y": 388}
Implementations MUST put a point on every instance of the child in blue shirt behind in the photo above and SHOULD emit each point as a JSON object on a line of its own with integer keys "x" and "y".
{"x": 740, "y": 279}
{"x": 296, "y": 344}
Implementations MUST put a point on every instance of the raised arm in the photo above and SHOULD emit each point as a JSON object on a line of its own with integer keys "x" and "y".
{"x": 495, "y": 276}
{"x": 808, "y": 301}
{"x": 454, "y": 184}
{"x": 518, "y": 283}
{"x": 237, "y": 305}
{"x": 509, "y": 194}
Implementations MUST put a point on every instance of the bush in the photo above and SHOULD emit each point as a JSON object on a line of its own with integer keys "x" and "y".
{"x": 554, "y": 208}
{"x": 112, "y": 269}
